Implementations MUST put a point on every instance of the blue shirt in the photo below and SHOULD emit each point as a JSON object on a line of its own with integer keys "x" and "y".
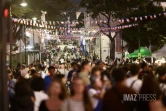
{"x": 11, "y": 86}
{"x": 47, "y": 82}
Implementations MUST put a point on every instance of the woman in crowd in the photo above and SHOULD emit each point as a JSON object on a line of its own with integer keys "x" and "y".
{"x": 76, "y": 72}
{"x": 62, "y": 78}
{"x": 79, "y": 100}
{"x": 63, "y": 70}
{"x": 34, "y": 73}
{"x": 57, "y": 93}
{"x": 96, "y": 92}
{"x": 106, "y": 79}
{"x": 23, "y": 99}
{"x": 153, "y": 95}
{"x": 96, "y": 72}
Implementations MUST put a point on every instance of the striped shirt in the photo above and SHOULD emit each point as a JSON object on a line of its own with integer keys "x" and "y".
{"x": 72, "y": 105}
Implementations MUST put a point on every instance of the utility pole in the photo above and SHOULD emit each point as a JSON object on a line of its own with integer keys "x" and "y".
{"x": 139, "y": 28}
{"x": 43, "y": 19}
{"x": 122, "y": 42}
{"x": 33, "y": 26}
{"x": 21, "y": 45}
{"x": 25, "y": 38}
{"x": 4, "y": 33}
{"x": 10, "y": 36}
{"x": 33, "y": 40}
{"x": 100, "y": 46}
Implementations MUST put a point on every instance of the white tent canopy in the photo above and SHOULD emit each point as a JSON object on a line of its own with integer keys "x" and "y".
{"x": 162, "y": 50}
{"x": 160, "y": 53}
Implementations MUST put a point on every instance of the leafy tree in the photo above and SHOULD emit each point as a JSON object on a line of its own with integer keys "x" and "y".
{"x": 151, "y": 30}
{"x": 151, "y": 33}
{"x": 19, "y": 11}
{"x": 55, "y": 12}
{"x": 112, "y": 10}
{"x": 54, "y": 9}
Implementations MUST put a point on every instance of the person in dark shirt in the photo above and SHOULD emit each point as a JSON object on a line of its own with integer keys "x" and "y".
{"x": 145, "y": 70}
{"x": 161, "y": 71}
{"x": 74, "y": 68}
{"x": 23, "y": 99}
{"x": 100, "y": 65}
{"x": 113, "y": 99}
{"x": 48, "y": 79}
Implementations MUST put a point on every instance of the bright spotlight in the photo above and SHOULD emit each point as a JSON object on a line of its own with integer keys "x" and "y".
{"x": 23, "y": 4}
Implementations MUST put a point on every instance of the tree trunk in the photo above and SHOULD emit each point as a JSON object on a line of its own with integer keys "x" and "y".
{"x": 112, "y": 48}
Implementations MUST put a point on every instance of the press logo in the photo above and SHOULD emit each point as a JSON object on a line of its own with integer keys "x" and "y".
{"x": 139, "y": 97}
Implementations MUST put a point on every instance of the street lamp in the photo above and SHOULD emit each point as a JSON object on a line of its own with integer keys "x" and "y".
{"x": 34, "y": 18}
{"x": 23, "y": 3}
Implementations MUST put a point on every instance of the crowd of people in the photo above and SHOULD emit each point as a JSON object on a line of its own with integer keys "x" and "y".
{"x": 87, "y": 86}
{"x": 63, "y": 54}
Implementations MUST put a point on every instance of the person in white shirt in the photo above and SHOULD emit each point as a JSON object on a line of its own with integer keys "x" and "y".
{"x": 96, "y": 93}
{"x": 37, "y": 85}
{"x": 63, "y": 70}
{"x": 97, "y": 90}
{"x": 24, "y": 71}
{"x": 133, "y": 82}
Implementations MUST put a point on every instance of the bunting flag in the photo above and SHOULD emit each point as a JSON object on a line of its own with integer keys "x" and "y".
{"x": 141, "y": 18}
{"x": 123, "y": 20}
{"x": 151, "y": 16}
{"x": 120, "y": 20}
{"x": 127, "y": 20}
{"x": 135, "y": 19}
{"x": 164, "y": 13}
{"x": 118, "y": 27}
{"x": 72, "y": 30}
{"x": 67, "y": 25}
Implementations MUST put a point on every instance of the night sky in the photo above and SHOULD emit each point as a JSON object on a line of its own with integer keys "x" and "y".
{"x": 75, "y": 1}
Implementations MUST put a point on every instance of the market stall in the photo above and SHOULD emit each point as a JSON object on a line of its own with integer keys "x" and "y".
{"x": 142, "y": 52}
